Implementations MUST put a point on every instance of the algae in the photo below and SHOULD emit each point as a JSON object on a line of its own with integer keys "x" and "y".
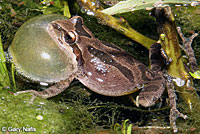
{"x": 43, "y": 116}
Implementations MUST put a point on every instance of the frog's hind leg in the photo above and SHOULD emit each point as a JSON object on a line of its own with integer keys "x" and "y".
{"x": 49, "y": 92}
{"x": 151, "y": 93}
{"x": 155, "y": 86}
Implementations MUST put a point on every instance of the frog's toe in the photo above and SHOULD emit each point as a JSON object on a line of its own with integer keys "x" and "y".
{"x": 33, "y": 93}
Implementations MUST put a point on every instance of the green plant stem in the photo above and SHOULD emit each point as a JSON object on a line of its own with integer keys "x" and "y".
{"x": 66, "y": 11}
{"x": 119, "y": 25}
{"x": 13, "y": 76}
{"x": 172, "y": 49}
{"x": 4, "y": 78}
{"x": 126, "y": 107}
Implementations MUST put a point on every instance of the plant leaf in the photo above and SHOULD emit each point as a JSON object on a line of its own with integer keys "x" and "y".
{"x": 133, "y": 5}
{"x": 196, "y": 74}
{"x": 4, "y": 78}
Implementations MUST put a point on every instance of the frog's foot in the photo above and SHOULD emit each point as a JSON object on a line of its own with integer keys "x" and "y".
{"x": 174, "y": 113}
{"x": 164, "y": 55}
{"x": 49, "y": 92}
{"x": 33, "y": 92}
{"x": 187, "y": 42}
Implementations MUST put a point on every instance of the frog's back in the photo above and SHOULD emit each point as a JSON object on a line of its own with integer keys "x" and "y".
{"x": 110, "y": 71}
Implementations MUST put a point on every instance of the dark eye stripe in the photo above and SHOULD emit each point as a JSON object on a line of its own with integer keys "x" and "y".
{"x": 107, "y": 59}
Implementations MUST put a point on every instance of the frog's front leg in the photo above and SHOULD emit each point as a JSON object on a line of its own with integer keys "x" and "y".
{"x": 188, "y": 49}
{"x": 51, "y": 91}
{"x": 154, "y": 82}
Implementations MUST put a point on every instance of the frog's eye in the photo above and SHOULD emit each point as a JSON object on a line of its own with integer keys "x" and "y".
{"x": 69, "y": 37}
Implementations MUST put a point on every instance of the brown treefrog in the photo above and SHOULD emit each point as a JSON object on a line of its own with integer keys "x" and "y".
{"x": 103, "y": 67}
{"x": 107, "y": 69}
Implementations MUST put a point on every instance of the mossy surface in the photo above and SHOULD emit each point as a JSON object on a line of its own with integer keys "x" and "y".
{"x": 17, "y": 112}
{"x": 43, "y": 116}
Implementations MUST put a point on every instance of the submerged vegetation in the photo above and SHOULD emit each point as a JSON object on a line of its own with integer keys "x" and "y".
{"x": 78, "y": 110}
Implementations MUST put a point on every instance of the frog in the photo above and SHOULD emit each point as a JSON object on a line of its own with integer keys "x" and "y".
{"x": 104, "y": 67}
{"x": 107, "y": 69}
